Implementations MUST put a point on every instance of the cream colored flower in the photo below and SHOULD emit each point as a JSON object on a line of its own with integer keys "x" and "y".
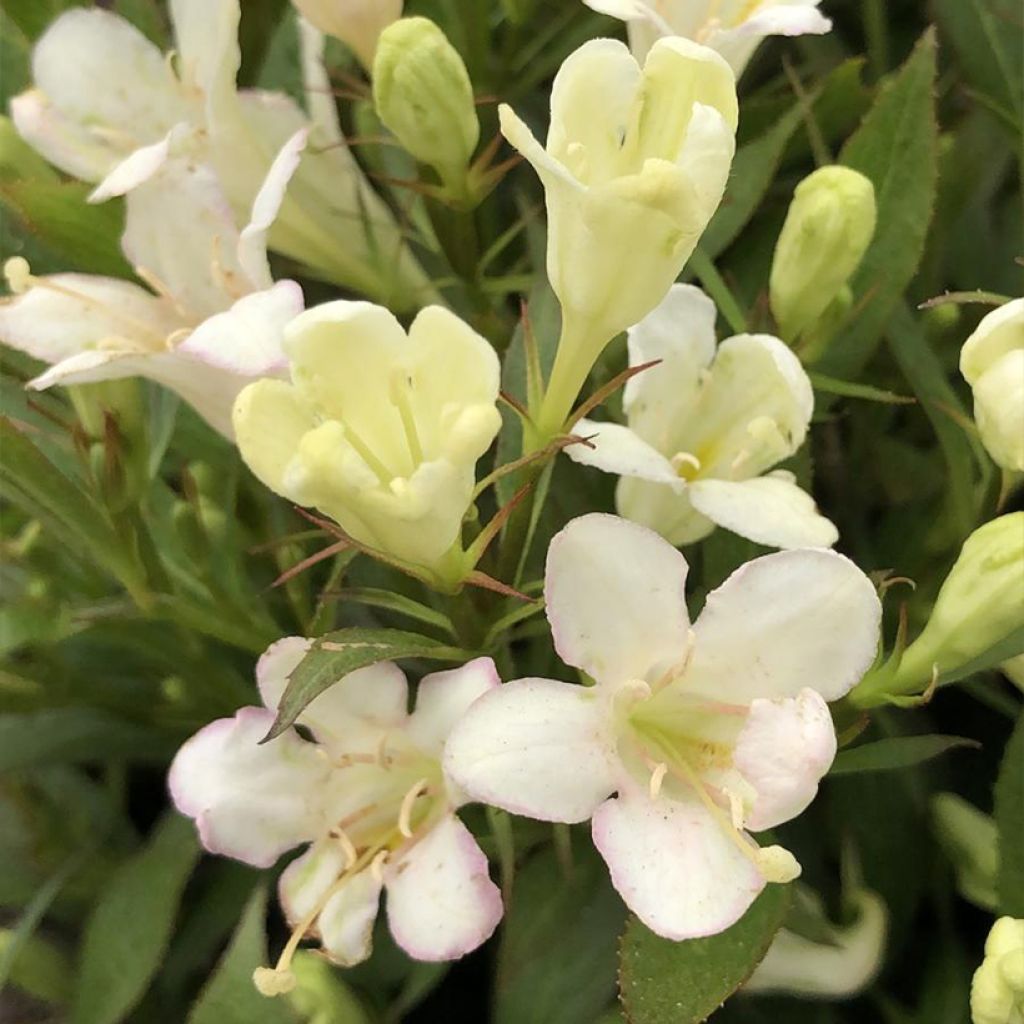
{"x": 635, "y": 165}
{"x": 380, "y": 430}
{"x": 734, "y": 28}
{"x": 992, "y": 362}
{"x": 997, "y": 992}
{"x": 357, "y": 23}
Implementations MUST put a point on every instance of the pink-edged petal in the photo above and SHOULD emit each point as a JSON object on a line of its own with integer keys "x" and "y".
{"x": 782, "y": 19}
{"x": 352, "y": 714}
{"x": 250, "y": 801}
{"x": 615, "y": 601}
{"x": 346, "y": 922}
{"x": 138, "y": 167}
{"x": 616, "y": 449}
{"x": 676, "y": 866}
{"x": 66, "y": 314}
{"x": 794, "y": 619}
{"x": 770, "y": 510}
{"x": 252, "y": 244}
{"x": 680, "y": 332}
{"x": 783, "y": 750}
{"x": 442, "y": 698}
{"x": 442, "y": 903}
{"x": 248, "y": 338}
{"x": 513, "y": 745}
{"x": 304, "y": 884}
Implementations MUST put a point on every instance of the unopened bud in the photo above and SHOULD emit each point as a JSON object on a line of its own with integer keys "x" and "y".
{"x": 828, "y": 228}
{"x": 970, "y": 839}
{"x": 997, "y": 991}
{"x": 979, "y": 608}
{"x": 320, "y": 994}
{"x": 423, "y": 94}
{"x": 992, "y": 362}
{"x": 357, "y": 23}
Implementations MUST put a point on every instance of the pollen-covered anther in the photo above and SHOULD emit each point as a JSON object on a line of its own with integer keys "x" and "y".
{"x": 657, "y": 778}
{"x": 18, "y": 274}
{"x": 272, "y": 981}
{"x": 777, "y": 864}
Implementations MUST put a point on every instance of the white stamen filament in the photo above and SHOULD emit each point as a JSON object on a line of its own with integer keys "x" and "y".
{"x": 400, "y": 386}
{"x": 657, "y": 778}
{"x": 347, "y": 846}
{"x": 377, "y": 865}
{"x": 417, "y": 789}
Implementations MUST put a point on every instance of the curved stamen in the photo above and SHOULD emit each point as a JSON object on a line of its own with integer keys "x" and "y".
{"x": 418, "y": 789}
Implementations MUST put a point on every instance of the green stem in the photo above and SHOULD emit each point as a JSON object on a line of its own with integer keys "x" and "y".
{"x": 714, "y": 284}
{"x": 575, "y": 357}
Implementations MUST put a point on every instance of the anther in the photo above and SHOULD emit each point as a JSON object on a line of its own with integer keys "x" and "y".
{"x": 405, "y": 811}
{"x": 18, "y": 274}
{"x": 270, "y": 981}
{"x": 777, "y": 864}
{"x": 657, "y": 778}
{"x": 377, "y": 866}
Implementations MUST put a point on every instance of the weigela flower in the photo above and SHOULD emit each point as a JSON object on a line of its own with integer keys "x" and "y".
{"x": 213, "y": 320}
{"x": 992, "y": 362}
{"x": 109, "y": 107}
{"x": 704, "y": 425}
{"x": 734, "y": 28}
{"x": 997, "y": 991}
{"x": 357, "y": 23}
{"x": 378, "y": 429}
{"x": 700, "y": 733}
{"x": 369, "y": 794}
{"x": 635, "y": 165}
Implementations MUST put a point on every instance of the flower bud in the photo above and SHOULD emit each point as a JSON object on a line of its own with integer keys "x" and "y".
{"x": 978, "y": 610}
{"x": 320, "y": 995}
{"x": 423, "y": 94}
{"x": 997, "y": 991}
{"x": 970, "y": 840}
{"x": 992, "y": 362}
{"x": 357, "y": 23}
{"x": 828, "y": 228}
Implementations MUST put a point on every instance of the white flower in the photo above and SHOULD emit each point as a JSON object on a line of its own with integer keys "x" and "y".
{"x": 838, "y": 966}
{"x": 997, "y": 991}
{"x": 368, "y": 793}
{"x": 992, "y": 362}
{"x": 215, "y": 321}
{"x": 379, "y": 429}
{"x": 704, "y": 425}
{"x": 734, "y": 28}
{"x": 109, "y": 107}
{"x": 700, "y": 733}
{"x": 635, "y": 165}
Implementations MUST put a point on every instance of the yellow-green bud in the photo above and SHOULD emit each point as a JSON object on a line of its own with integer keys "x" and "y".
{"x": 423, "y": 94}
{"x": 970, "y": 839}
{"x": 357, "y": 23}
{"x": 979, "y": 610}
{"x": 828, "y": 228}
{"x": 997, "y": 991}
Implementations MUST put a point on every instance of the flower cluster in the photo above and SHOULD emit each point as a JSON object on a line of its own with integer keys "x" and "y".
{"x": 681, "y": 737}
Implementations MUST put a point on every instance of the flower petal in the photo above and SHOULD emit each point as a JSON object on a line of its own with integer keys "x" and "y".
{"x": 137, "y": 168}
{"x": 999, "y": 333}
{"x": 666, "y": 510}
{"x": 346, "y": 922}
{"x": 770, "y": 510}
{"x": 248, "y": 338}
{"x": 270, "y": 418}
{"x": 442, "y": 903}
{"x": 783, "y": 750}
{"x": 617, "y": 449}
{"x": 250, "y": 801}
{"x": 307, "y": 879}
{"x": 794, "y": 619}
{"x": 615, "y": 599}
{"x": 352, "y": 714}
{"x": 442, "y": 698}
{"x": 512, "y": 746}
{"x": 206, "y": 32}
{"x": 738, "y": 44}
{"x": 66, "y": 314}
{"x": 680, "y": 331}
{"x": 674, "y": 864}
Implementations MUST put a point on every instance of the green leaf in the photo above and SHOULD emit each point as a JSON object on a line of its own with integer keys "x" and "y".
{"x": 128, "y": 931}
{"x": 1009, "y": 815}
{"x": 75, "y": 734}
{"x": 895, "y": 752}
{"x": 895, "y": 147}
{"x": 850, "y": 389}
{"x": 336, "y": 654}
{"x": 665, "y": 982}
{"x": 556, "y": 962}
{"x": 986, "y": 37}
{"x": 40, "y": 969}
{"x": 753, "y": 170}
{"x": 229, "y": 996}
{"x": 29, "y": 480}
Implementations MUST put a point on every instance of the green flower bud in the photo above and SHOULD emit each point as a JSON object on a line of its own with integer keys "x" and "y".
{"x": 320, "y": 995}
{"x": 828, "y": 228}
{"x": 970, "y": 839}
{"x": 423, "y": 94}
{"x": 978, "y": 618}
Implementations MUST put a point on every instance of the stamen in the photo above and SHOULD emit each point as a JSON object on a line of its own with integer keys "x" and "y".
{"x": 735, "y": 808}
{"x": 377, "y": 865}
{"x": 657, "y": 778}
{"x": 682, "y": 459}
{"x": 384, "y": 475}
{"x": 777, "y": 864}
{"x": 347, "y": 846}
{"x": 400, "y": 386}
{"x": 405, "y": 811}
{"x": 347, "y": 760}
{"x": 270, "y": 981}
{"x": 18, "y": 274}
